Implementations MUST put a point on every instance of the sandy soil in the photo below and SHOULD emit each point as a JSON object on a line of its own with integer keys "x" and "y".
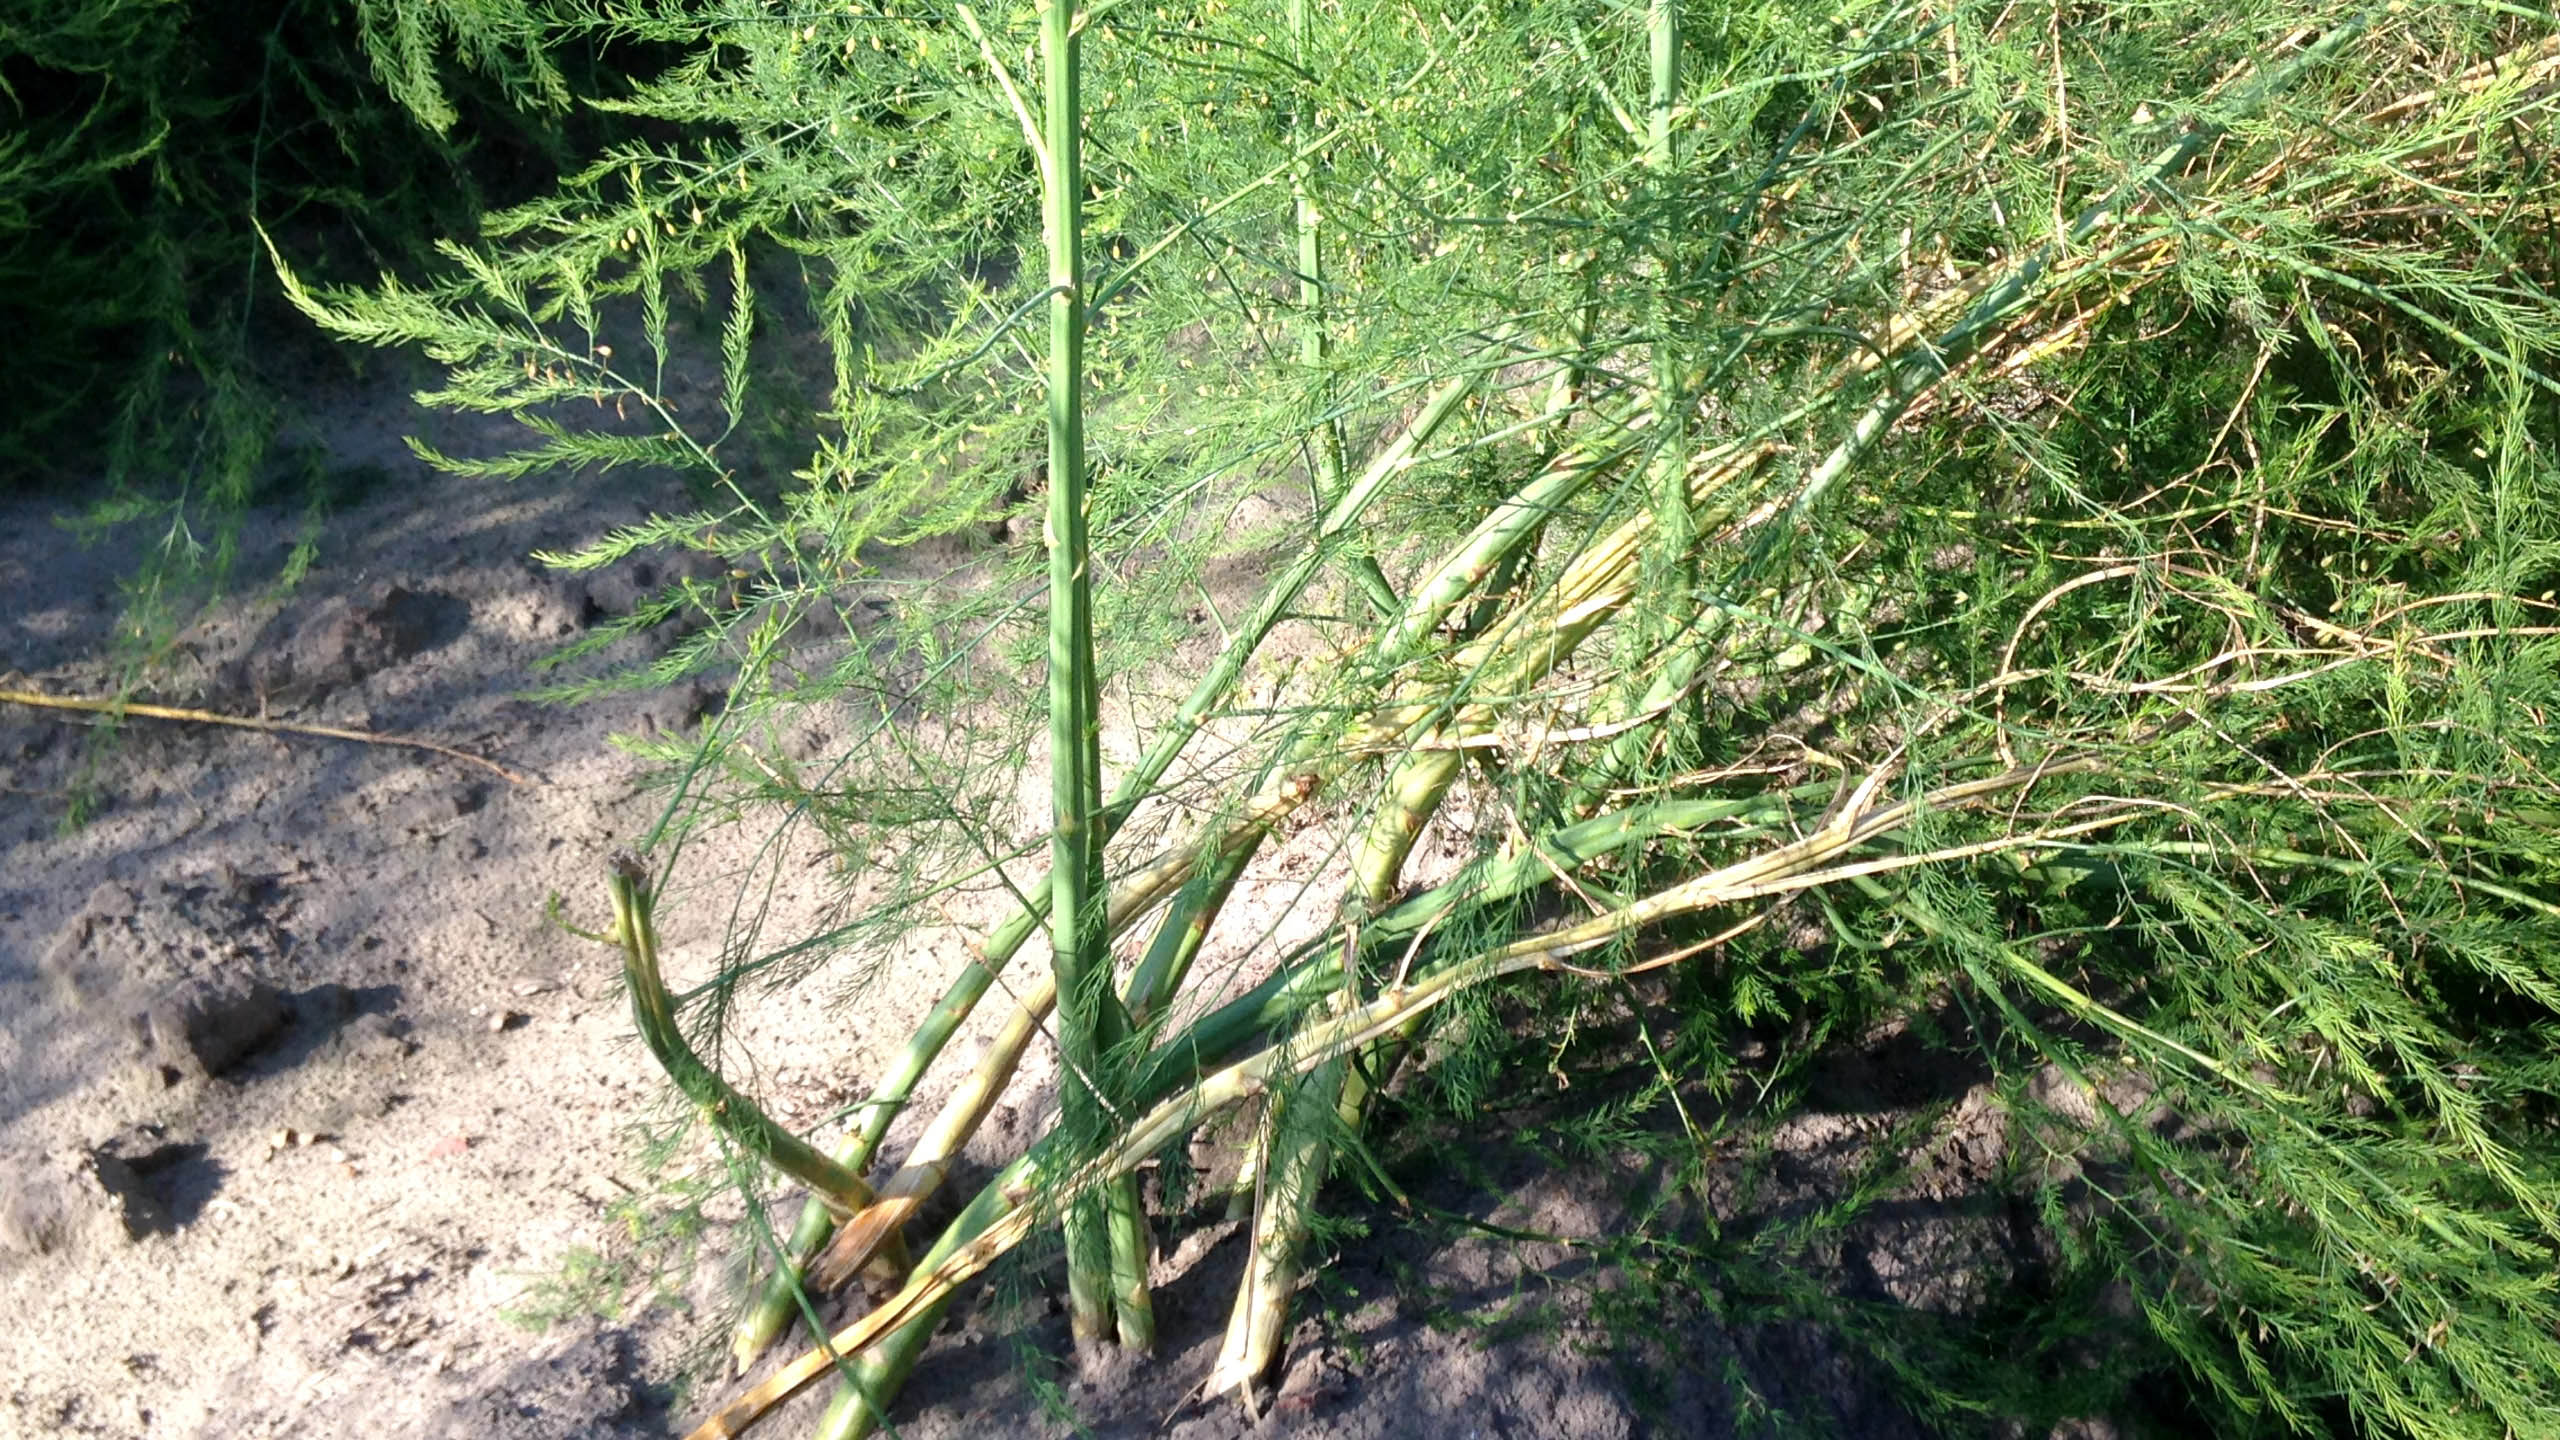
{"x": 300, "y": 1095}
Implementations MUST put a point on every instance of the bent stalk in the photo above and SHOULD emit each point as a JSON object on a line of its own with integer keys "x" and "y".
{"x": 654, "y": 1010}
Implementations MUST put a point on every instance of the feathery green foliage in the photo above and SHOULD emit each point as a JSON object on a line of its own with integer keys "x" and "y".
{"x": 2059, "y": 510}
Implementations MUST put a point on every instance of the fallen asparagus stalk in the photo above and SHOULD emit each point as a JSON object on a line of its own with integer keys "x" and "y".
{"x": 1016, "y": 1202}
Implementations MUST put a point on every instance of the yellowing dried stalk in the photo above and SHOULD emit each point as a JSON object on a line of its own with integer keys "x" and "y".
{"x": 1803, "y": 864}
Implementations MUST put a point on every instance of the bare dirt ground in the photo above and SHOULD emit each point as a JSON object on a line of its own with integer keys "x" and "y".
{"x": 301, "y": 1097}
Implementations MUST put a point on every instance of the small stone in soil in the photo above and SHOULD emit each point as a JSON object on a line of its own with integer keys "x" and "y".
{"x": 36, "y": 1216}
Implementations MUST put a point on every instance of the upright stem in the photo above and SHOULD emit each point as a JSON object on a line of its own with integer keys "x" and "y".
{"x": 1662, "y": 24}
{"x": 1675, "y": 531}
{"x": 1312, "y": 340}
{"x": 1079, "y": 944}
{"x": 1314, "y": 343}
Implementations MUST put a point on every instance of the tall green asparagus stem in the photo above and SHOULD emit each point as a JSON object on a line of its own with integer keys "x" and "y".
{"x": 1090, "y": 1021}
{"x": 1675, "y": 534}
{"x": 1314, "y": 343}
{"x": 1662, "y": 28}
{"x": 1312, "y": 340}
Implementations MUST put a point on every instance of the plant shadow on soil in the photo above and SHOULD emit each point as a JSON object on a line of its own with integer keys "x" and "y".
{"x": 1861, "y": 1263}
